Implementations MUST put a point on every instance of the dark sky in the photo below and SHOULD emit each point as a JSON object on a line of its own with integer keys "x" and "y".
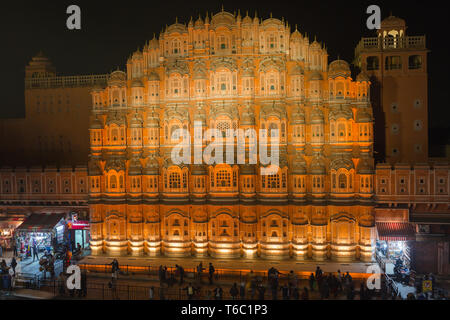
{"x": 111, "y": 30}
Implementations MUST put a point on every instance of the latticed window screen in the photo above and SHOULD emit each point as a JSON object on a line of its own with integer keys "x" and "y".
{"x": 222, "y": 126}
{"x": 223, "y": 178}
{"x": 273, "y": 181}
{"x": 174, "y": 180}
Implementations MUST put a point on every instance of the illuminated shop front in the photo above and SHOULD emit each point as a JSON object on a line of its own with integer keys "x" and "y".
{"x": 8, "y": 226}
{"x": 394, "y": 244}
{"x": 78, "y": 232}
{"x": 44, "y": 230}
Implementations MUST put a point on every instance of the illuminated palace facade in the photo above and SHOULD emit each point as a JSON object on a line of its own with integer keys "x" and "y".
{"x": 230, "y": 72}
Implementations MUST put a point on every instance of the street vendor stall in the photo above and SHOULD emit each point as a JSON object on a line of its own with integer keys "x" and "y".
{"x": 8, "y": 226}
{"x": 44, "y": 230}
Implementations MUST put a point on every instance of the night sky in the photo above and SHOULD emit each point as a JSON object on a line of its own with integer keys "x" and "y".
{"x": 112, "y": 30}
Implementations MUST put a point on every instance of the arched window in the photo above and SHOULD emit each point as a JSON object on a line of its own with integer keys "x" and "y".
{"x": 176, "y": 46}
{"x": 223, "y": 179}
{"x": 113, "y": 182}
{"x": 342, "y": 181}
{"x": 174, "y": 180}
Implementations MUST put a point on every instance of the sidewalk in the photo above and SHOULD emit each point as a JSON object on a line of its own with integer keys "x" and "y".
{"x": 357, "y": 269}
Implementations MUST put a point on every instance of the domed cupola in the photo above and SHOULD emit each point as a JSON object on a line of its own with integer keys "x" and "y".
{"x": 317, "y": 166}
{"x": 152, "y": 119}
{"x": 247, "y": 20}
{"x": 362, "y": 77}
{"x": 136, "y": 121}
{"x": 317, "y": 115}
{"x": 137, "y": 84}
{"x": 117, "y": 118}
{"x": 339, "y": 68}
{"x": 151, "y": 167}
{"x": 199, "y": 24}
{"x": 364, "y": 167}
{"x": 154, "y": 43}
{"x": 117, "y": 78}
{"x": 135, "y": 167}
{"x": 363, "y": 116}
{"x": 153, "y": 76}
{"x": 299, "y": 165}
{"x": 96, "y": 123}
{"x": 298, "y": 71}
{"x": 315, "y": 76}
{"x": 341, "y": 112}
{"x": 298, "y": 115}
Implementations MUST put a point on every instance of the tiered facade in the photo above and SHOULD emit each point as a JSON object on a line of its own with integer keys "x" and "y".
{"x": 229, "y": 72}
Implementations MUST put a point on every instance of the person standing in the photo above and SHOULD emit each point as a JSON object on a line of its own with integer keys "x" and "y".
{"x": 242, "y": 291}
{"x": 14, "y": 247}
{"x": 13, "y": 265}
{"x": 305, "y": 294}
{"x": 234, "y": 291}
{"x": 151, "y": 293}
{"x": 311, "y": 281}
{"x": 190, "y": 291}
{"x": 35, "y": 251}
{"x": 211, "y": 273}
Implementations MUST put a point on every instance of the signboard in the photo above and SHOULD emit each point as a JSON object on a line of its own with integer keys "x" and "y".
{"x": 78, "y": 225}
{"x": 427, "y": 286}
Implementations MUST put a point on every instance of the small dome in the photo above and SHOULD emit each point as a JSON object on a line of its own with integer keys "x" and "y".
{"x": 340, "y": 112}
{"x": 248, "y": 73}
{"x": 154, "y": 43}
{"x": 117, "y": 78}
{"x": 296, "y": 35}
{"x": 117, "y": 118}
{"x": 298, "y": 115}
{"x": 151, "y": 167}
{"x": 200, "y": 74}
{"x": 297, "y": 70}
{"x": 364, "y": 167}
{"x": 137, "y": 55}
{"x": 176, "y": 27}
{"x": 152, "y": 119}
{"x": 135, "y": 167}
{"x": 96, "y": 123}
{"x": 393, "y": 22}
{"x": 315, "y": 75}
{"x": 299, "y": 165}
{"x": 362, "y": 77}
{"x": 317, "y": 166}
{"x": 136, "y": 121}
{"x": 247, "y": 20}
{"x": 199, "y": 23}
{"x": 94, "y": 168}
{"x": 339, "y": 68}
{"x": 153, "y": 76}
{"x": 363, "y": 116}
{"x": 137, "y": 84}
{"x": 316, "y": 115}
{"x": 315, "y": 45}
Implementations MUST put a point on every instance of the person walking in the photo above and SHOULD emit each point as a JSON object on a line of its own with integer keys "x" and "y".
{"x": 211, "y": 273}
{"x": 181, "y": 275}
{"x": 339, "y": 281}
{"x": 200, "y": 271}
{"x": 234, "y": 291}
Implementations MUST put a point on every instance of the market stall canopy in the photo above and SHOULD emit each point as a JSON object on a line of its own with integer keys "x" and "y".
{"x": 41, "y": 222}
{"x": 6, "y": 222}
{"x": 395, "y": 231}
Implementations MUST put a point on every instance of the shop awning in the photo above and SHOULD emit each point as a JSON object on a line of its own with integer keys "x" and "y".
{"x": 395, "y": 231}
{"x": 41, "y": 222}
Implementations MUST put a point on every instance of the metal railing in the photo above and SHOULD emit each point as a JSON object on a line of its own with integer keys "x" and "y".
{"x": 66, "y": 81}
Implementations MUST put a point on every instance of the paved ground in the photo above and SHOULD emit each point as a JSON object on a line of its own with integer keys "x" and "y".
{"x": 237, "y": 264}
